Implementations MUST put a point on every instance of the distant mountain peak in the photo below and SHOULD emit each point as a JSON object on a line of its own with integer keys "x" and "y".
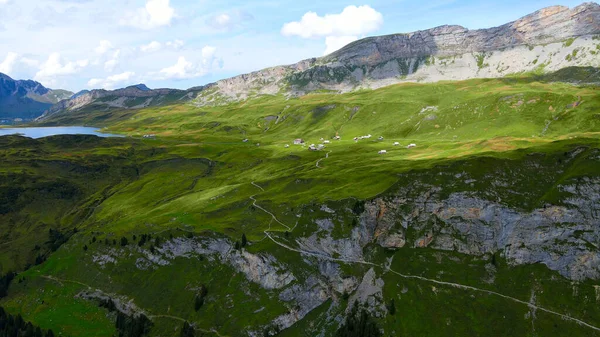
{"x": 140, "y": 86}
{"x": 26, "y": 99}
{"x": 5, "y": 77}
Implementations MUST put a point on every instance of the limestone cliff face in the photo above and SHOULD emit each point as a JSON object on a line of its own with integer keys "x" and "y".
{"x": 534, "y": 42}
{"x": 563, "y": 235}
{"x": 545, "y": 26}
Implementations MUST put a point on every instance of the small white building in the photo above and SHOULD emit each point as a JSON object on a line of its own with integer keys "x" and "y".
{"x": 396, "y": 144}
{"x": 287, "y": 145}
{"x": 382, "y": 152}
{"x": 245, "y": 140}
{"x": 410, "y": 146}
{"x": 337, "y": 137}
{"x": 380, "y": 137}
{"x": 312, "y": 147}
{"x": 326, "y": 142}
{"x": 298, "y": 141}
{"x": 320, "y": 147}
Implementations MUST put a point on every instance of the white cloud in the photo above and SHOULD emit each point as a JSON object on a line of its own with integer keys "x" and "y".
{"x": 151, "y": 47}
{"x": 229, "y": 20}
{"x": 221, "y": 21}
{"x": 54, "y": 67}
{"x": 155, "y": 46}
{"x": 155, "y": 14}
{"x": 208, "y": 53}
{"x": 103, "y": 47}
{"x": 30, "y": 62}
{"x": 176, "y": 44}
{"x": 185, "y": 69}
{"x": 181, "y": 70}
{"x": 2, "y": 2}
{"x": 334, "y": 43}
{"x": 7, "y": 65}
{"x": 112, "y": 63}
{"x": 351, "y": 21}
{"x": 111, "y": 81}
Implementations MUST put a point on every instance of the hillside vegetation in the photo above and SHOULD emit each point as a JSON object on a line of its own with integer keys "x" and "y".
{"x": 194, "y": 231}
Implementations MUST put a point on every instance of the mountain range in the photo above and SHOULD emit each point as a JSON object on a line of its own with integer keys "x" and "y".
{"x": 26, "y": 99}
{"x": 548, "y": 40}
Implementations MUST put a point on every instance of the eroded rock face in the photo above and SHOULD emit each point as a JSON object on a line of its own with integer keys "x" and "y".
{"x": 545, "y": 26}
{"x": 565, "y": 239}
{"x": 441, "y": 53}
{"x": 262, "y": 269}
{"x": 370, "y": 294}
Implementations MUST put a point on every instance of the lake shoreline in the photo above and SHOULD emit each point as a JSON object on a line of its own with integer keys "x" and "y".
{"x": 48, "y": 131}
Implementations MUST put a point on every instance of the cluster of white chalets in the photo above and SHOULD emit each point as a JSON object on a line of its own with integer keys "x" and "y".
{"x": 318, "y": 147}
{"x": 362, "y": 137}
{"x": 409, "y": 146}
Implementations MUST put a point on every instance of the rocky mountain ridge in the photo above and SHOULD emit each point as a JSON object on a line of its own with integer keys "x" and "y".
{"x": 132, "y": 97}
{"x": 26, "y": 98}
{"x": 547, "y": 40}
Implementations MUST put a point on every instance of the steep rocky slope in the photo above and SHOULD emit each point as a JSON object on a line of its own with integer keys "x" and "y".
{"x": 25, "y": 98}
{"x": 547, "y": 40}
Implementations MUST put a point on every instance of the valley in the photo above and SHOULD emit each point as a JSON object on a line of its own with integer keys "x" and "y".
{"x": 405, "y": 185}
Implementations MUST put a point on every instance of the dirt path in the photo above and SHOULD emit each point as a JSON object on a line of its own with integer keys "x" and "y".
{"x": 326, "y": 156}
{"x": 450, "y": 284}
{"x": 61, "y": 281}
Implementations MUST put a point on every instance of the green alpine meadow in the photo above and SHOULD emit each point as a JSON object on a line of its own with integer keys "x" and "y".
{"x": 444, "y": 182}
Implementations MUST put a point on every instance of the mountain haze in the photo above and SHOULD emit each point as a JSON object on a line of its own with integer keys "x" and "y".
{"x": 26, "y": 99}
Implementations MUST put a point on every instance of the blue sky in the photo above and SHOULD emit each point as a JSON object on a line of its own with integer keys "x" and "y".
{"x": 85, "y": 44}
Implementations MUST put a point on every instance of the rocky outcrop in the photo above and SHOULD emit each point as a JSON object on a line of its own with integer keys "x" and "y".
{"x": 549, "y": 25}
{"x": 565, "y": 238}
{"x": 262, "y": 269}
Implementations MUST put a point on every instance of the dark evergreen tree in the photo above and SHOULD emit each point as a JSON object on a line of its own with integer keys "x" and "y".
{"x": 15, "y": 326}
{"x": 133, "y": 326}
{"x": 5, "y": 282}
{"x": 124, "y": 242}
{"x": 359, "y": 207}
{"x": 187, "y": 330}
{"x": 198, "y": 303}
{"x": 358, "y": 324}
{"x": 244, "y": 240}
{"x": 391, "y": 307}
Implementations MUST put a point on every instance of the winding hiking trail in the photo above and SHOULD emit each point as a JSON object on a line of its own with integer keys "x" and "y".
{"x": 319, "y": 161}
{"x": 415, "y": 277}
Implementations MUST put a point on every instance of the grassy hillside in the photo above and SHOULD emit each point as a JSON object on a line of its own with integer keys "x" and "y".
{"x": 198, "y": 184}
